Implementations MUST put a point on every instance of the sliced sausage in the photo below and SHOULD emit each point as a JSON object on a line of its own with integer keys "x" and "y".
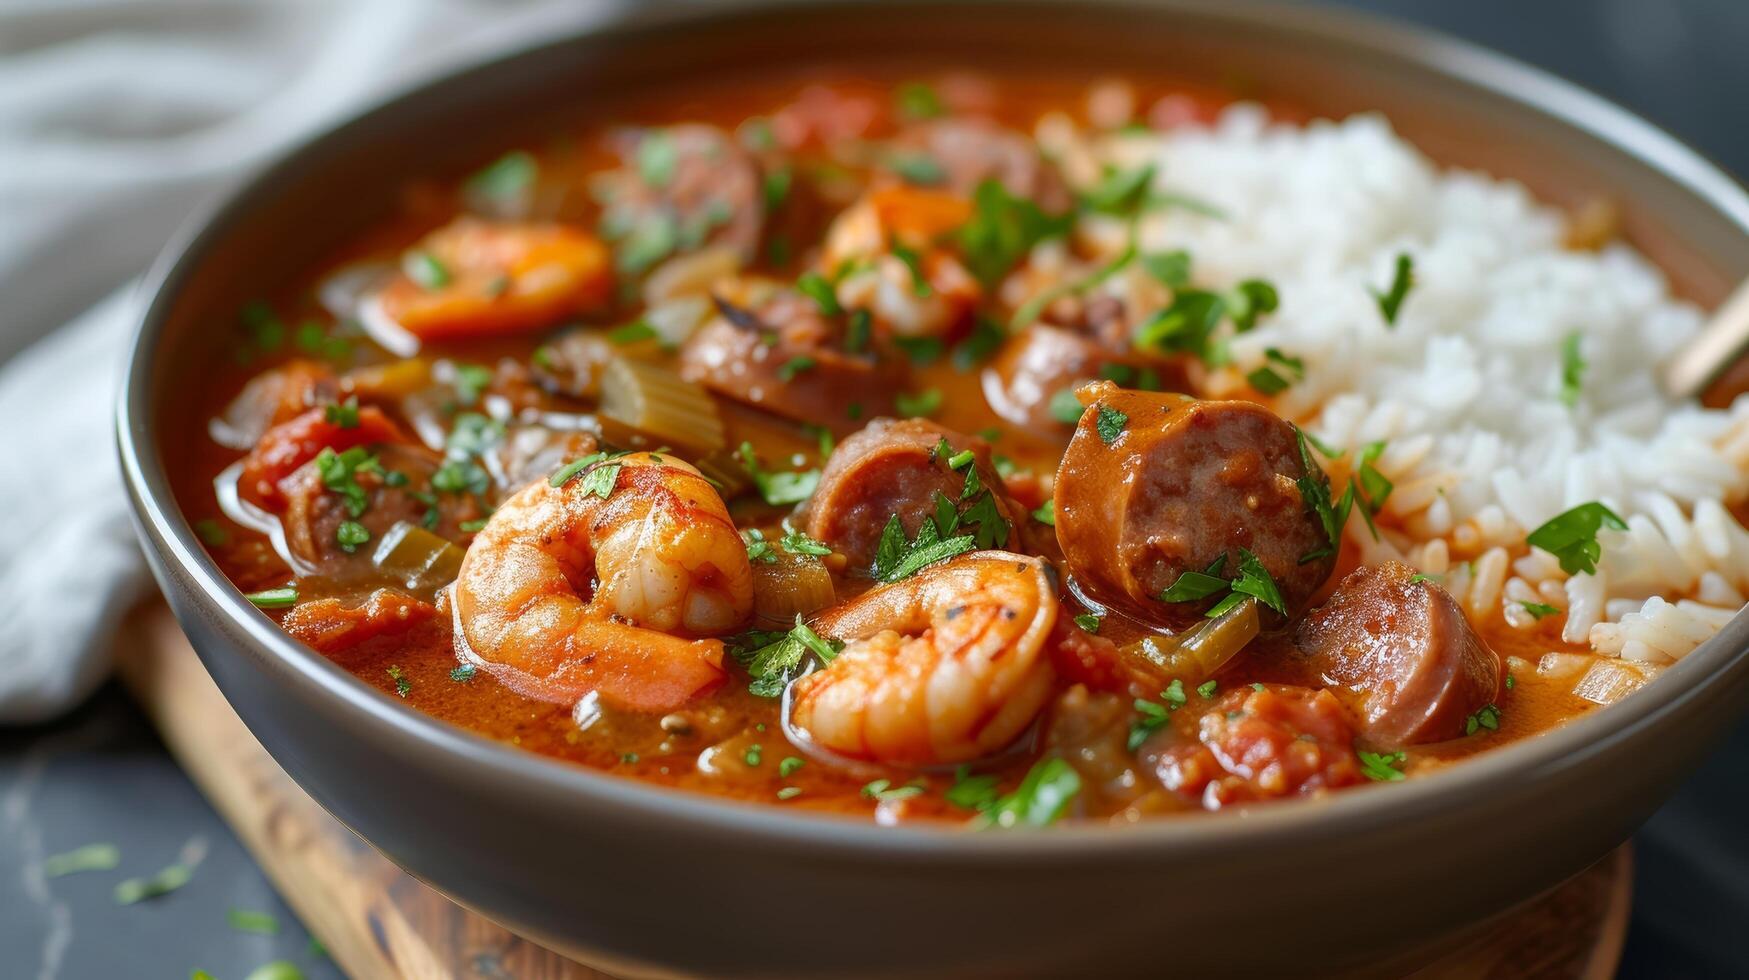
{"x": 313, "y": 512}
{"x": 1181, "y": 484}
{"x": 1260, "y": 744}
{"x": 895, "y": 467}
{"x": 969, "y": 151}
{"x": 789, "y": 359}
{"x": 1043, "y": 360}
{"x": 1402, "y": 646}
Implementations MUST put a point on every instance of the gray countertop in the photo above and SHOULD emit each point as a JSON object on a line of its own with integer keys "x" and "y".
{"x": 102, "y": 775}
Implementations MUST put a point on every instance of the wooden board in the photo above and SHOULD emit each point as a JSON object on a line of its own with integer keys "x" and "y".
{"x": 376, "y": 921}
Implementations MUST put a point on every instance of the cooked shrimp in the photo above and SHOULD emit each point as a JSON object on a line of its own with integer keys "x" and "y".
{"x": 474, "y": 277}
{"x": 927, "y": 292}
{"x": 947, "y": 666}
{"x": 665, "y": 559}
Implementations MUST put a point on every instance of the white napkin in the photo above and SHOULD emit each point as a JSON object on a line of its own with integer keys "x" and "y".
{"x": 116, "y": 118}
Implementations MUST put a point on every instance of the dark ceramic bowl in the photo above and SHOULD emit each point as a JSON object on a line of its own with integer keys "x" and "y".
{"x": 643, "y": 880}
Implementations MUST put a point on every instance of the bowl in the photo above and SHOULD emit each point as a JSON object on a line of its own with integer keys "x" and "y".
{"x": 642, "y": 880}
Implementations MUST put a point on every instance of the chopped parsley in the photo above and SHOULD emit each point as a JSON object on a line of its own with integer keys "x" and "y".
{"x": 777, "y": 489}
{"x": 801, "y": 543}
{"x": 973, "y": 792}
{"x": 915, "y": 101}
{"x": 1253, "y": 580}
{"x": 1121, "y": 192}
{"x": 164, "y": 882}
{"x": 755, "y": 754}
{"x": 425, "y": 270}
{"x": 1151, "y": 716}
{"x": 506, "y": 180}
{"x": 815, "y": 287}
{"x": 248, "y": 920}
{"x": 1207, "y": 689}
{"x": 339, "y": 473}
{"x": 599, "y": 471}
{"x": 1374, "y": 487}
{"x": 1573, "y": 366}
{"x": 1572, "y": 536}
{"x": 1540, "y": 609}
{"x": 1278, "y": 372}
{"x": 463, "y": 673}
{"x": 344, "y": 415}
{"x": 657, "y": 159}
{"x": 922, "y": 351}
{"x": 1170, "y": 268}
{"x": 917, "y": 168}
{"x": 274, "y": 598}
{"x": 1088, "y": 622}
{"x": 1195, "y": 586}
{"x": 91, "y": 857}
{"x": 919, "y": 405}
{"x": 402, "y": 684}
{"x": 773, "y": 658}
{"x": 985, "y": 339}
{"x": 1382, "y": 767}
{"x": 632, "y": 333}
{"x": 471, "y": 381}
{"x": 1488, "y": 717}
{"x": 758, "y": 549}
{"x": 1040, "y": 800}
{"x": 794, "y": 366}
{"x": 914, "y": 264}
{"x": 1391, "y": 300}
{"x": 212, "y": 533}
{"x": 1314, "y": 490}
{"x": 788, "y": 765}
{"x": 1002, "y": 230}
{"x": 351, "y": 534}
{"x": 1065, "y": 407}
{"x": 1046, "y": 513}
{"x": 898, "y": 558}
{"x": 1110, "y": 424}
{"x": 883, "y": 790}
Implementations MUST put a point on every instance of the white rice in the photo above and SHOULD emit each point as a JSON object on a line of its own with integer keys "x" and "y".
{"x": 1465, "y": 388}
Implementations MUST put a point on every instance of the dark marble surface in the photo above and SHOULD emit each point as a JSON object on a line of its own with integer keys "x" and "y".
{"x": 101, "y": 774}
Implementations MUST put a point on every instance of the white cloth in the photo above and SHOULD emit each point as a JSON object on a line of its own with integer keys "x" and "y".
{"x": 116, "y": 118}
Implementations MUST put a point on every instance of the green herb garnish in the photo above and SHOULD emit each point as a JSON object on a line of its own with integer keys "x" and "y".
{"x": 922, "y": 404}
{"x": 1040, "y": 800}
{"x": 1488, "y": 717}
{"x": 351, "y": 534}
{"x": 1391, "y": 300}
{"x": 1573, "y": 366}
{"x": 402, "y": 684}
{"x": 1381, "y": 767}
{"x": 463, "y": 673}
{"x": 274, "y": 598}
{"x": 1572, "y": 536}
{"x": 1538, "y": 610}
{"x": 898, "y": 558}
{"x": 425, "y": 270}
{"x": 1088, "y": 622}
{"x": 1110, "y": 424}
{"x": 778, "y": 489}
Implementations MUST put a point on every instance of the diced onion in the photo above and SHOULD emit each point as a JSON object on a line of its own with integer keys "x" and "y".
{"x": 655, "y": 401}
{"x": 1609, "y": 680}
{"x": 422, "y": 561}
{"x": 1197, "y": 653}
{"x": 792, "y": 585}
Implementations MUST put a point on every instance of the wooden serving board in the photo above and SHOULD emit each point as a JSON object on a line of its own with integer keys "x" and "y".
{"x": 378, "y": 922}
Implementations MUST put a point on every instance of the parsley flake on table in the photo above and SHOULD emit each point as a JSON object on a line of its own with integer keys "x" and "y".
{"x": 91, "y": 857}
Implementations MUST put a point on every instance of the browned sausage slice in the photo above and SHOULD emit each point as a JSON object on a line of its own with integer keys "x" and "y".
{"x": 895, "y": 467}
{"x": 1033, "y": 367}
{"x": 788, "y": 359}
{"x": 1402, "y": 645}
{"x": 1181, "y": 484}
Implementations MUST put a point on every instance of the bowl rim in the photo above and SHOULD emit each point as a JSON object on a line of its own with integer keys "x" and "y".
{"x": 479, "y": 759}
